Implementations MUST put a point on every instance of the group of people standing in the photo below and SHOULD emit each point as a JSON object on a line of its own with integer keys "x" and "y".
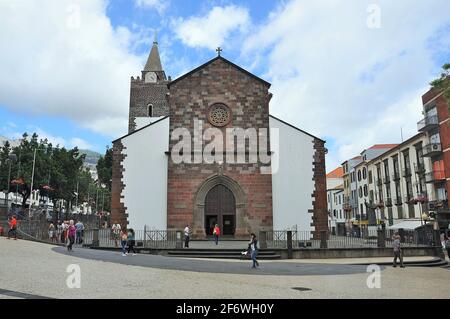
{"x": 126, "y": 237}
{"x": 66, "y": 232}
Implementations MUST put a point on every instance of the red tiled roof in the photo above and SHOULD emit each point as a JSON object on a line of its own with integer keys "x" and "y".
{"x": 336, "y": 173}
{"x": 379, "y": 146}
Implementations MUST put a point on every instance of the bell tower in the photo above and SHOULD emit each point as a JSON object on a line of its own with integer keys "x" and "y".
{"x": 148, "y": 92}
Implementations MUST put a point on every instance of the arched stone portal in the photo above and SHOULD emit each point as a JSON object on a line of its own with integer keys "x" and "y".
{"x": 208, "y": 189}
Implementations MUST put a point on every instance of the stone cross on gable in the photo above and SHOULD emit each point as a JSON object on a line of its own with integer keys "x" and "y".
{"x": 219, "y": 50}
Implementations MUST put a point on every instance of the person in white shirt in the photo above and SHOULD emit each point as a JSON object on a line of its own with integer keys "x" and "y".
{"x": 186, "y": 236}
{"x": 116, "y": 233}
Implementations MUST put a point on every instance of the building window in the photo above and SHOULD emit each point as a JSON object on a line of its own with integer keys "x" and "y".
{"x": 365, "y": 191}
{"x": 359, "y": 175}
{"x": 370, "y": 177}
{"x": 360, "y": 192}
{"x": 364, "y": 172}
{"x": 150, "y": 110}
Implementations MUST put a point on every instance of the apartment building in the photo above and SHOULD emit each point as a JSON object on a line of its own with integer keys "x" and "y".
{"x": 436, "y": 127}
{"x": 335, "y": 201}
{"x": 397, "y": 184}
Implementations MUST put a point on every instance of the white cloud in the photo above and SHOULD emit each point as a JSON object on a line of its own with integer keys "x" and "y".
{"x": 63, "y": 58}
{"x": 214, "y": 28}
{"x": 337, "y": 78}
{"x": 80, "y": 143}
{"x": 159, "y": 5}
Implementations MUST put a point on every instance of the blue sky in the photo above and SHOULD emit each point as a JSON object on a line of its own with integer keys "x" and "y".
{"x": 351, "y": 72}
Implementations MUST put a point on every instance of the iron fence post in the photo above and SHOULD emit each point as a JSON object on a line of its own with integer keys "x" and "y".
{"x": 179, "y": 240}
{"x": 323, "y": 239}
{"x": 381, "y": 238}
{"x": 263, "y": 239}
{"x": 95, "y": 238}
{"x": 289, "y": 244}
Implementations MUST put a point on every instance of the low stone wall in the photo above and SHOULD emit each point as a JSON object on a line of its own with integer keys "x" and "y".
{"x": 332, "y": 253}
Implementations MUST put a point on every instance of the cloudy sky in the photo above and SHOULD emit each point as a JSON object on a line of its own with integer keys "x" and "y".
{"x": 349, "y": 71}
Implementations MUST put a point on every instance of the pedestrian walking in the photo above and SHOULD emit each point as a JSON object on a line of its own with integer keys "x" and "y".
{"x": 123, "y": 241}
{"x": 216, "y": 234}
{"x": 51, "y": 232}
{"x": 80, "y": 228}
{"x": 253, "y": 247}
{"x": 71, "y": 233}
{"x": 116, "y": 233}
{"x": 186, "y": 236}
{"x": 12, "y": 232}
{"x": 398, "y": 254}
{"x": 131, "y": 241}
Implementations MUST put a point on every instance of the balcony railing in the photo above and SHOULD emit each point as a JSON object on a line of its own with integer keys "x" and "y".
{"x": 386, "y": 179}
{"x": 438, "y": 205}
{"x": 379, "y": 182}
{"x": 388, "y": 202}
{"x": 409, "y": 199}
{"x": 432, "y": 149}
{"x": 435, "y": 177}
{"x": 428, "y": 123}
{"x": 396, "y": 176}
{"x": 407, "y": 172}
{"x": 419, "y": 168}
{"x": 398, "y": 201}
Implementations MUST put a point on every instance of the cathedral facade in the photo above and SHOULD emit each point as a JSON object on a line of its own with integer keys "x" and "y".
{"x": 203, "y": 150}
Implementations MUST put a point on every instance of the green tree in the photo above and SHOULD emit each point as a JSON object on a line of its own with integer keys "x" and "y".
{"x": 104, "y": 168}
{"x": 443, "y": 83}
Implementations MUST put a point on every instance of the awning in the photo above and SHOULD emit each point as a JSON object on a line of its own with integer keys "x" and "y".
{"x": 407, "y": 224}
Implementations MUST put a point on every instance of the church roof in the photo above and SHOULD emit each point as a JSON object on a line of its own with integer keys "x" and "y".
{"x": 224, "y": 60}
{"x": 154, "y": 61}
{"x": 142, "y": 128}
{"x": 296, "y": 128}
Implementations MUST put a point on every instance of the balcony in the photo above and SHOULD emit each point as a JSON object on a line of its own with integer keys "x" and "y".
{"x": 386, "y": 179}
{"x": 396, "y": 176}
{"x": 432, "y": 149}
{"x": 409, "y": 200}
{"x": 388, "y": 202}
{"x": 438, "y": 205}
{"x": 398, "y": 201}
{"x": 435, "y": 177}
{"x": 407, "y": 172}
{"x": 379, "y": 182}
{"x": 419, "y": 168}
{"x": 428, "y": 123}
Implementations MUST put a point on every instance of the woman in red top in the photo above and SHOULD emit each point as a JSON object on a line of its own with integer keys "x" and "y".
{"x": 216, "y": 234}
{"x": 13, "y": 228}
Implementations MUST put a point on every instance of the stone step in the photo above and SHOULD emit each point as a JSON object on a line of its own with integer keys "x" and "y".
{"x": 434, "y": 262}
{"x": 216, "y": 252}
{"x": 260, "y": 257}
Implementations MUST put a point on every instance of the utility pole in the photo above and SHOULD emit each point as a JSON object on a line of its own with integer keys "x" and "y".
{"x": 88, "y": 201}
{"x": 96, "y": 202}
{"x": 103, "y": 200}
{"x": 76, "y": 201}
{"x": 32, "y": 181}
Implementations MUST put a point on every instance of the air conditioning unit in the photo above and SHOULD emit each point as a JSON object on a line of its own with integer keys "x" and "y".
{"x": 432, "y": 206}
{"x": 435, "y": 147}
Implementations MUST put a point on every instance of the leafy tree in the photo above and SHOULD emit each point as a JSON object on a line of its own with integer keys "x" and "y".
{"x": 443, "y": 83}
{"x": 104, "y": 168}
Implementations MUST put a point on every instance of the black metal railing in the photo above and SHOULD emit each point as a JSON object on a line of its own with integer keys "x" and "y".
{"x": 395, "y": 176}
{"x": 407, "y": 171}
{"x": 428, "y": 123}
{"x": 386, "y": 179}
{"x": 419, "y": 168}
